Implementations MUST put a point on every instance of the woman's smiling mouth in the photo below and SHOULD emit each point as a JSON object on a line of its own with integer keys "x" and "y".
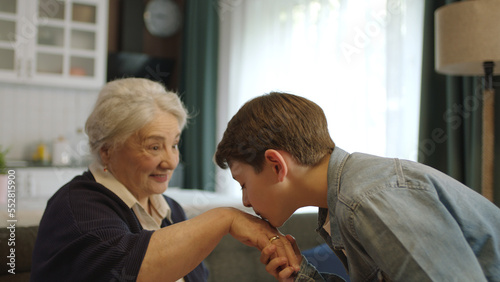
{"x": 160, "y": 177}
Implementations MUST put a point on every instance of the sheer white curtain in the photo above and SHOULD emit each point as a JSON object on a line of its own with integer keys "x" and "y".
{"x": 358, "y": 59}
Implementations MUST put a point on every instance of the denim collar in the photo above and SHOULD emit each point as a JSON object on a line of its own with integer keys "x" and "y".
{"x": 335, "y": 166}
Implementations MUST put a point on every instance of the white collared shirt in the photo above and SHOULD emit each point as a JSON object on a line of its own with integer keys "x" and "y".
{"x": 159, "y": 206}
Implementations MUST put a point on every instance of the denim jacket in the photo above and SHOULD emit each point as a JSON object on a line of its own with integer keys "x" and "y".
{"x": 399, "y": 220}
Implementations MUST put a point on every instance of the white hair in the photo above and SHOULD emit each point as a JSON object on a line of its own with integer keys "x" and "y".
{"x": 124, "y": 106}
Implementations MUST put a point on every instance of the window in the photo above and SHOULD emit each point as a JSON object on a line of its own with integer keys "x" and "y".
{"x": 359, "y": 60}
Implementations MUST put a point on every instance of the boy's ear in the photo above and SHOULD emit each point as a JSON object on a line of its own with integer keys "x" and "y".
{"x": 276, "y": 160}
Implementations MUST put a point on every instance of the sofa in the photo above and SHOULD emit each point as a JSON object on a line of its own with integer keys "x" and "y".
{"x": 230, "y": 260}
{"x": 24, "y": 242}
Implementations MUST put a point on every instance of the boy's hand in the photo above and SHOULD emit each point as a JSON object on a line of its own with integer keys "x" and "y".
{"x": 256, "y": 232}
{"x": 279, "y": 266}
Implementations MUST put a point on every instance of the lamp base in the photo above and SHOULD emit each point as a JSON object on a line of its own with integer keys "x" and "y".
{"x": 488, "y": 151}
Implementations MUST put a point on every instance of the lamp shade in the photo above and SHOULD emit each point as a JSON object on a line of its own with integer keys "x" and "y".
{"x": 467, "y": 33}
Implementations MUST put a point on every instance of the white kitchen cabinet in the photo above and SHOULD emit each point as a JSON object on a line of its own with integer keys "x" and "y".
{"x": 33, "y": 186}
{"x": 43, "y": 182}
{"x": 54, "y": 42}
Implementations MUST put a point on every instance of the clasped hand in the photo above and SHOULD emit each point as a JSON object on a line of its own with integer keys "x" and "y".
{"x": 280, "y": 255}
{"x": 279, "y": 266}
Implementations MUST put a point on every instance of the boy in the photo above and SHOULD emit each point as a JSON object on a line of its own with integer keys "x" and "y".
{"x": 386, "y": 219}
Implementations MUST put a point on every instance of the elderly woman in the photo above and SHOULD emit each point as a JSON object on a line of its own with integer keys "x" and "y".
{"x": 113, "y": 223}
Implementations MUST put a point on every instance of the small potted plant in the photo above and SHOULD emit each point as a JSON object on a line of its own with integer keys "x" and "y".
{"x": 3, "y": 165}
{"x": 3, "y": 175}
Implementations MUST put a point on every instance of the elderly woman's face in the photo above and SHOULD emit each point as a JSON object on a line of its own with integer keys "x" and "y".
{"x": 145, "y": 163}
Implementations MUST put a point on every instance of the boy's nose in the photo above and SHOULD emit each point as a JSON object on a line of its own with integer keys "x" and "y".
{"x": 246, "y": 203}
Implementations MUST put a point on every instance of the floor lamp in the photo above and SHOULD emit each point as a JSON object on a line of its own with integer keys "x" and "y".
{"x": 467, "y": 38}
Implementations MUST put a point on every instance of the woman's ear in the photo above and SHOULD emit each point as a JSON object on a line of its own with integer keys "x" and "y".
{"x": 276, "y": 160}
{"x": 105, "y": 153}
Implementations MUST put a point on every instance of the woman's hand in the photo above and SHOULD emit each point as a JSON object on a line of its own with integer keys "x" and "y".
{"x": 256, "y": 232}
{"x": 175, "y": 243}
{"x": 278, "y": 266}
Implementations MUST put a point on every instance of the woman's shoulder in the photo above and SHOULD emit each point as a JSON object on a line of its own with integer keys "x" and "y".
{"x": 83, "y": 196}
{"x": 82, "y": 187}
{"x": 83, "y": 206}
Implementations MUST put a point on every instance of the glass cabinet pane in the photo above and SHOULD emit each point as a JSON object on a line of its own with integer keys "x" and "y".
{"x": 84, "y": 13}
{"x": 84, "y": 40}
{"x": 49, "y": 63}
{"x": 51, "y": 9}
{"x": 51, "y": 36}
{"x": 7, "y": 30}
{"x": 80, "y": 66}
{"x": 6, "y": 59}
{"x": 8, "y": 6}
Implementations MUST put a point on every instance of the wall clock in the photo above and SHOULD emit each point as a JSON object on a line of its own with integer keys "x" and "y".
{"x": 163, "y": 18}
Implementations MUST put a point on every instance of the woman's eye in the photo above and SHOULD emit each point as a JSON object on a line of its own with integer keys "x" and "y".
{"x": 176, "y": 147}
{"x": 154, "y": 147}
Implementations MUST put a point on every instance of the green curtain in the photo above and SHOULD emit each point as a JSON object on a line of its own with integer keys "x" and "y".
{"x": 451, "y": 117}
{"x": 198, "y": 90}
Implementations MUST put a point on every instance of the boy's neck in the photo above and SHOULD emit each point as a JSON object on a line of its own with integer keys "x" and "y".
{"x": 312, "y": 184}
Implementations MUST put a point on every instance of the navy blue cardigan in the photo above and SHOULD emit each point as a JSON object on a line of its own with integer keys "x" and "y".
{"x": 87, "y": 233}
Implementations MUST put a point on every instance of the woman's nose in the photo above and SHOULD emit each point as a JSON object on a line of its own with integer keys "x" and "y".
{"x": 169, "y": 160}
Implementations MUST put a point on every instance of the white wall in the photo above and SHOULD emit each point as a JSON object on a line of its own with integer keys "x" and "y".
{"x": 33, "y": 114}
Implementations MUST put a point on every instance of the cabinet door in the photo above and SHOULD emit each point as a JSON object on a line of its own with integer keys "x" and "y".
{"x": 45, "y": 58}
{"x": 70, "y": 46}
{"x": 13, "y": 39}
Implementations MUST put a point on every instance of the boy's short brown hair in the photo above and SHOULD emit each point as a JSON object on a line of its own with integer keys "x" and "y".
{"x": 278, "y": 121}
